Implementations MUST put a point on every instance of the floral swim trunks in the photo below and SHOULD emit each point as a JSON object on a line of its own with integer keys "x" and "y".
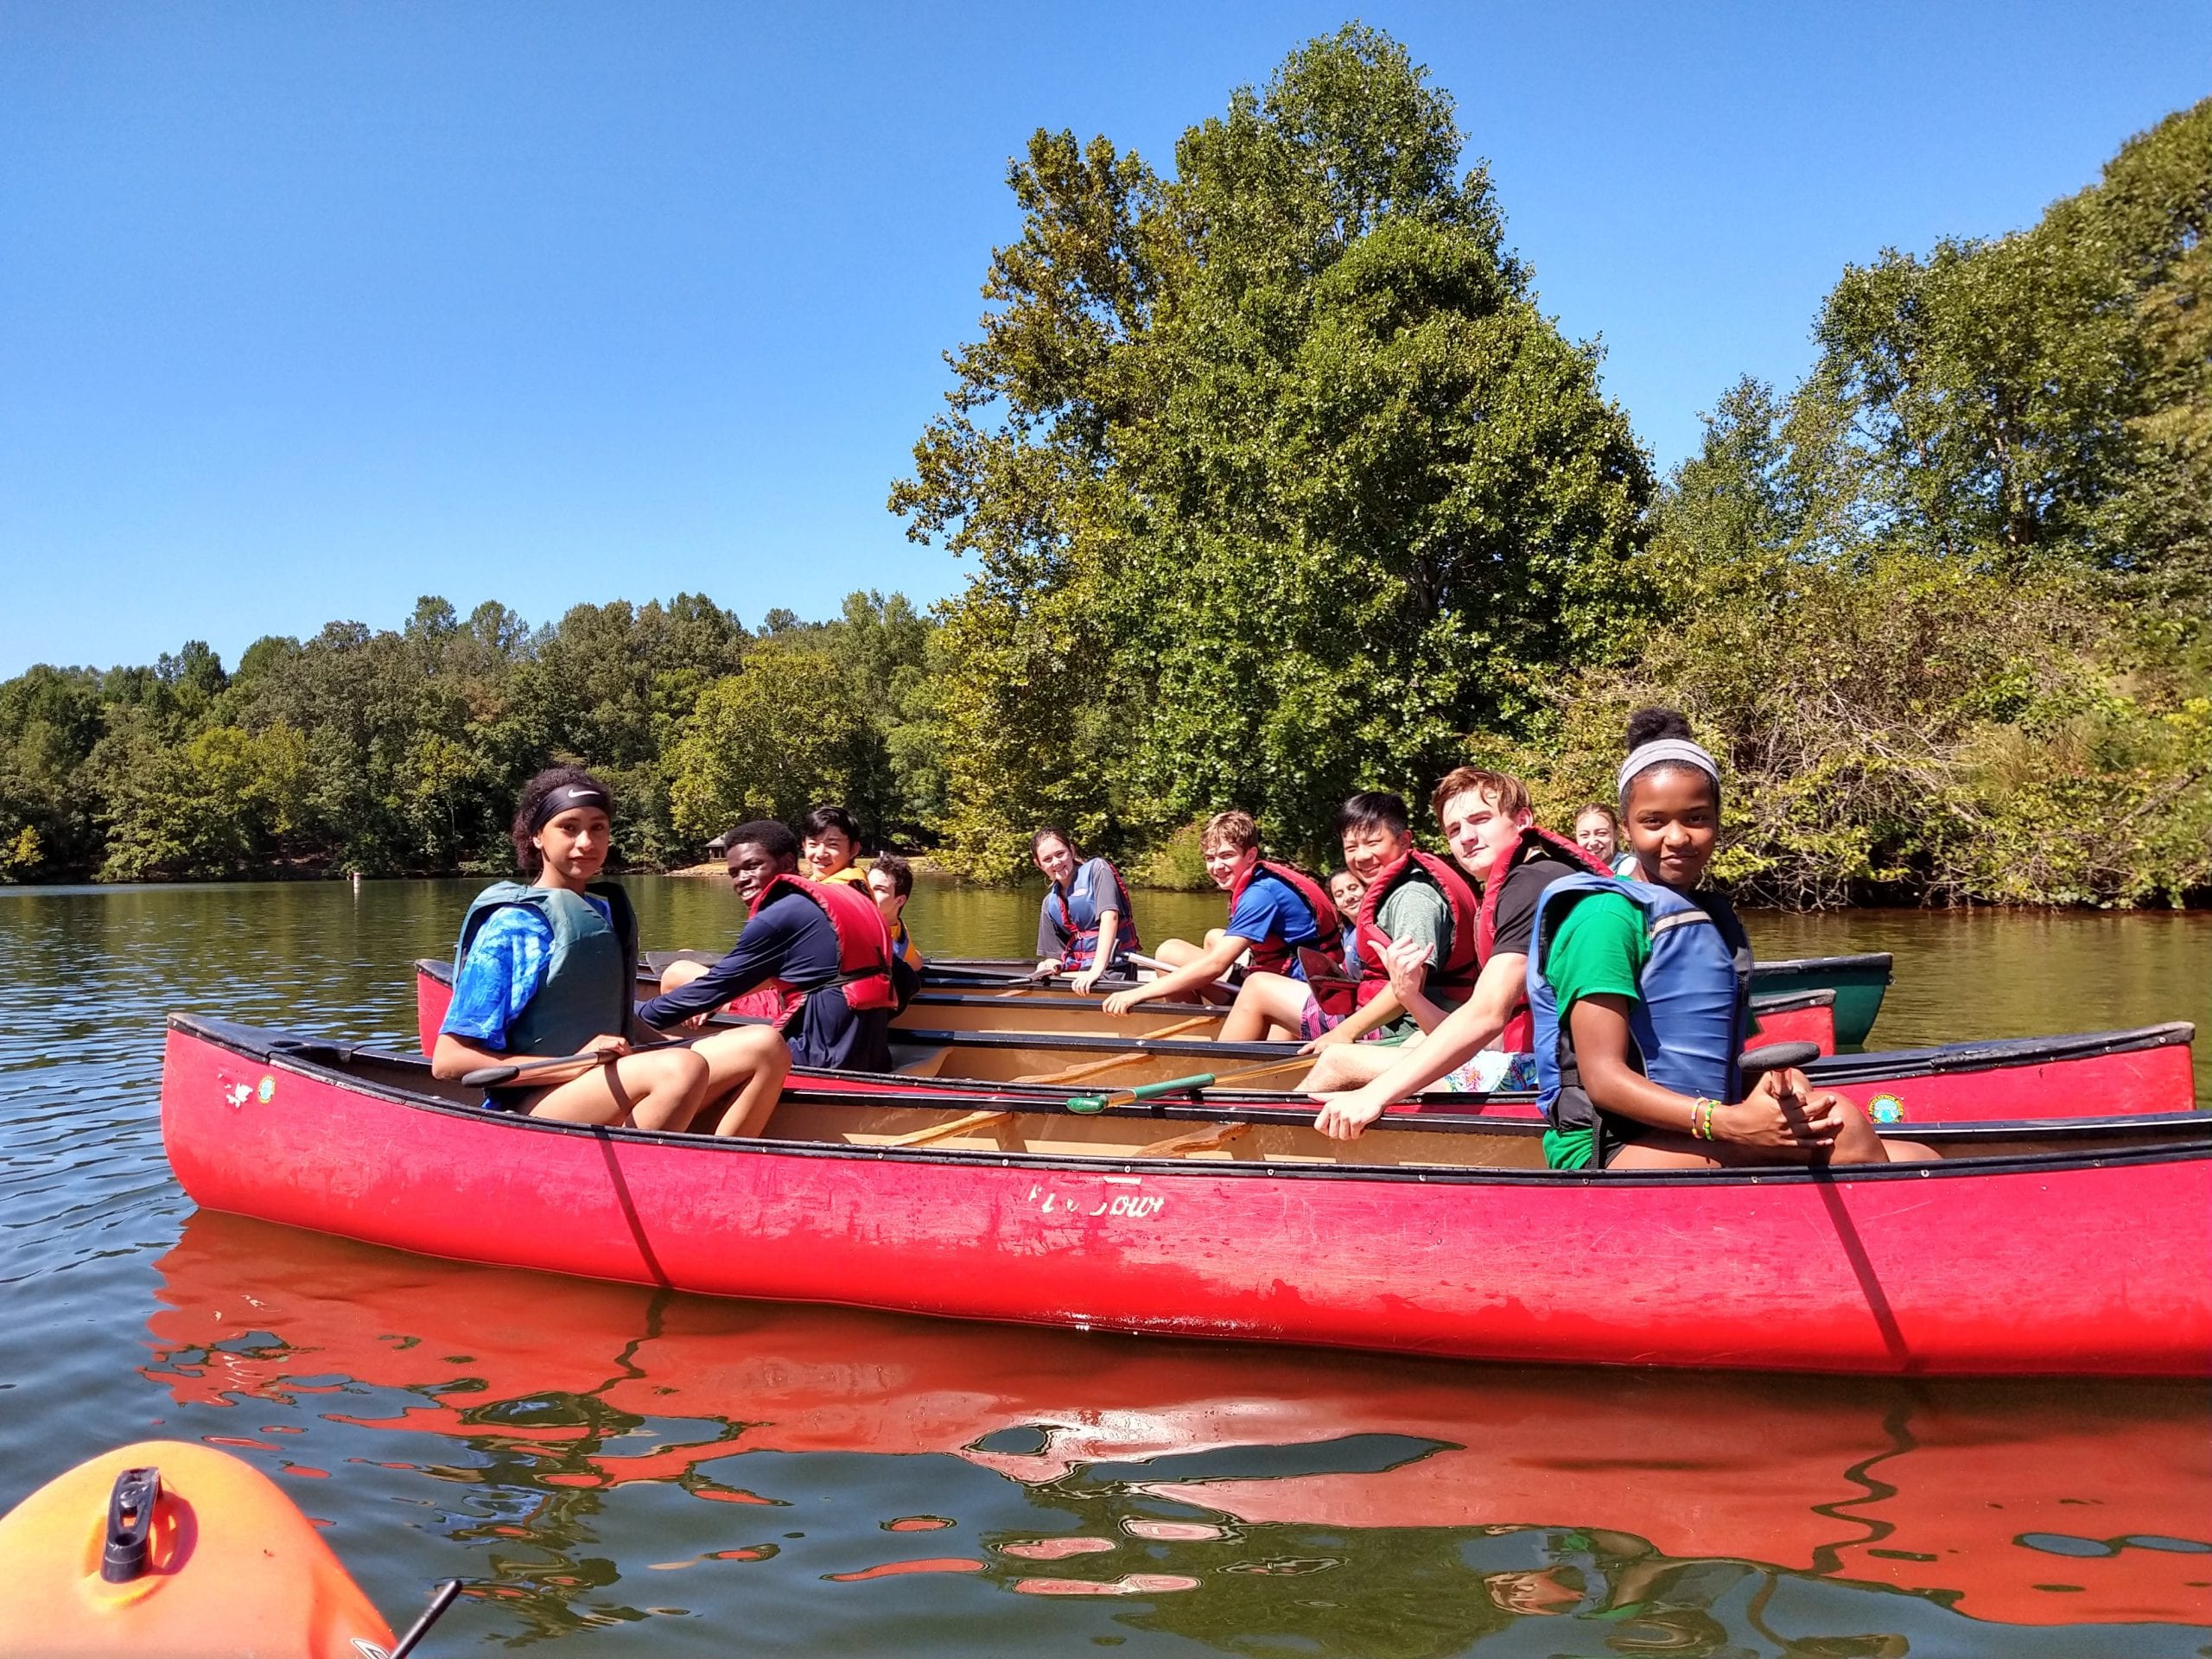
{"x": 1491, "y": 1073}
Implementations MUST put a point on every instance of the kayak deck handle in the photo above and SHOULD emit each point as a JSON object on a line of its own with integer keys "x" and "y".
{"x": 129, "y": 1525}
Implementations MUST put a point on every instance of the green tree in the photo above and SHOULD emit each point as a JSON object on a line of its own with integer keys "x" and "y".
{"x": 1940, "y": 611}
{"x": 768, "y": 742}
{"x": 1279, "y": 481}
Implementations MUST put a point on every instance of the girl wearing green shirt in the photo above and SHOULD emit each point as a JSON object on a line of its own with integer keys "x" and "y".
{"x": 1616, "y": 1020}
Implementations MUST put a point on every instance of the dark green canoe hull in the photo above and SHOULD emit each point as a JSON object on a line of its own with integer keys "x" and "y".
{"x": 1858, "y": 982}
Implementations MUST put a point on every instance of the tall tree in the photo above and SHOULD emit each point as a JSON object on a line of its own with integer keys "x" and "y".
{"x": 1280, "y": 481}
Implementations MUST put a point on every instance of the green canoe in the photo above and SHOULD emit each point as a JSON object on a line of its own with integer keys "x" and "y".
{"x": 1858, "y": 982}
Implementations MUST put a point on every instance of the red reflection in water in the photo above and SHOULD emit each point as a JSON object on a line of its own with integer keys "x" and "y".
{"x": 1174, "y": 1530}
{"x": 1920, "y": 1486}
{"x": 1056, "y": 1549}
{"x": 1132, "y": 1584}
{"x": 900, "y": 1569}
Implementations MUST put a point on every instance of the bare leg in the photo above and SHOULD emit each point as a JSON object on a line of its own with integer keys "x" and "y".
{"x": 1176, "y": 952}
{"x": 1267, "y": 1005}
{"x": 746, "y": 1069}
{"x": 1855, "y": 1143}
{"x": 680, "y": 973}
{"x": 660, "y": 1091}
{"x": 1349, "y": 1065}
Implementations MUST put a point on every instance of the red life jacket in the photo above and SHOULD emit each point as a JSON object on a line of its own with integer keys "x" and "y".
{"x": 863, "y": 951}
{"x": 1274, "y": 956}
{"x": 1449, "y": 981}
{"x": 1535, "y": 842}
{"x": 1083, "y": 942}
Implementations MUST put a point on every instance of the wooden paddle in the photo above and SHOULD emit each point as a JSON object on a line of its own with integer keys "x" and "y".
{"x": 946, "y": 1131}
{"x": 1090, "y": 1104}
{"x": 491, "y": 1077}
{"x": 1191, "y": 1085}
{"x": 1209, "y": 1137}
{"x": 1076, "y": 1073}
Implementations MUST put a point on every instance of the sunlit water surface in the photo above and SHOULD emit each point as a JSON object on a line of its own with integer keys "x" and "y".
{"x": 622, "y": 1471}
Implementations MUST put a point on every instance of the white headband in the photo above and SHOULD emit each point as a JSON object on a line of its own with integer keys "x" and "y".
{"x": 1679, "y": 749}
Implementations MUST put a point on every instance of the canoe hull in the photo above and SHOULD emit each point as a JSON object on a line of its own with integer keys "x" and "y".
{"x": 1927, "y": 1269}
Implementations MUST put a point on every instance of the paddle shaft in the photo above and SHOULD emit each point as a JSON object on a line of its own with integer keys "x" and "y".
{"x": 1192, "y": 1084}
{"x": 440, "y": 1601}
{"x": 491, "y": 1077}
{"x": 1165, "y": 967}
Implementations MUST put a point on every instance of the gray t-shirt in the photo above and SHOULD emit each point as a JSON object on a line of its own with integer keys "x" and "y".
{"x": 1417, "y": 910}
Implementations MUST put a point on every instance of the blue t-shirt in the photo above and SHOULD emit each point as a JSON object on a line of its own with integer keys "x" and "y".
{"x": 1091, "y": 892}
{"x": 791, "y": 938}
{"x": 1269, "y": 908}
{"x": 504, "y": 967}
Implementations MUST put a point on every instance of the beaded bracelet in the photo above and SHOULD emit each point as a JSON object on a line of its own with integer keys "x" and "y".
{"x": 1701, "y": 1112}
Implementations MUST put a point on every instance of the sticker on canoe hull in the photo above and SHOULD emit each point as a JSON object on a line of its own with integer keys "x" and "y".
{"x": 1885, "y": 1108}
{"x": 235, "y": 1095}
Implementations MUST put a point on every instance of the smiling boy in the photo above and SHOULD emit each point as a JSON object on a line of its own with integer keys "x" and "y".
{"x": 1495, "y": 840}
{"x": 821, "y": 943}
{"x": 1273, "y": 909}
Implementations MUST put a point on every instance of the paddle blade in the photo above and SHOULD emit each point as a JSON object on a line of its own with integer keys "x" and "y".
{"x": 487, "y": 1076}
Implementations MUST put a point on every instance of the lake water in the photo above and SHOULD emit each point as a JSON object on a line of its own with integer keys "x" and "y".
{"x": 620, "y": 1471}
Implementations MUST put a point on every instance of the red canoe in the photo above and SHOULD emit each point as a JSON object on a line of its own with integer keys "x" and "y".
{"x": 2030, "y": 1249}
{"x": 2095, "y": 1074}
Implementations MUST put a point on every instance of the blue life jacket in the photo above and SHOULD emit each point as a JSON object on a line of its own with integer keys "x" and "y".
{"x": 591, "y": 980}
{"x": 1692, "y": 1009}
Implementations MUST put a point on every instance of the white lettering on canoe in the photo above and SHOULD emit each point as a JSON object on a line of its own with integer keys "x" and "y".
{"x": 1131, "y": 1206}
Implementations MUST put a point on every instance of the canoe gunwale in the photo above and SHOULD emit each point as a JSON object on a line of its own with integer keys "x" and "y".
{"x": 1864, "y": 961}
{"x": 2168, "y": 1138}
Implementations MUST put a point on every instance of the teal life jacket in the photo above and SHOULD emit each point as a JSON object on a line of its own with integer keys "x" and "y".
{"x": 1691, "y": 1012}
{"x": 591, "y": 980}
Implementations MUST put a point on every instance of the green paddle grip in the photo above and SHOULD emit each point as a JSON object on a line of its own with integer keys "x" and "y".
{"x": 1087, "y": 1103}
{"x": 1172, "y": 1086}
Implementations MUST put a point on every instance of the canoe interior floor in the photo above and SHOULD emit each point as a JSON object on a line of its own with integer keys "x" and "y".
{"x": 865, "y": 1122}
{"x": 1076, "y": 1068}
{"x": 1043, "y": 1020}
{"x": 1050, "y": 1134}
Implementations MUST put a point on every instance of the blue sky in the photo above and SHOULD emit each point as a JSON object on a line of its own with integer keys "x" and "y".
{"x": 307, "y": 309}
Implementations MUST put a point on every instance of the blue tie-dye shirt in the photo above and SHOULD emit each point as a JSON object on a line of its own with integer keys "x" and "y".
{"x": 504, "y": 969}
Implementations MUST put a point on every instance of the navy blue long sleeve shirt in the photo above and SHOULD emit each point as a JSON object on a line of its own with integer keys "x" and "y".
{"x": 790, "y": 938}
